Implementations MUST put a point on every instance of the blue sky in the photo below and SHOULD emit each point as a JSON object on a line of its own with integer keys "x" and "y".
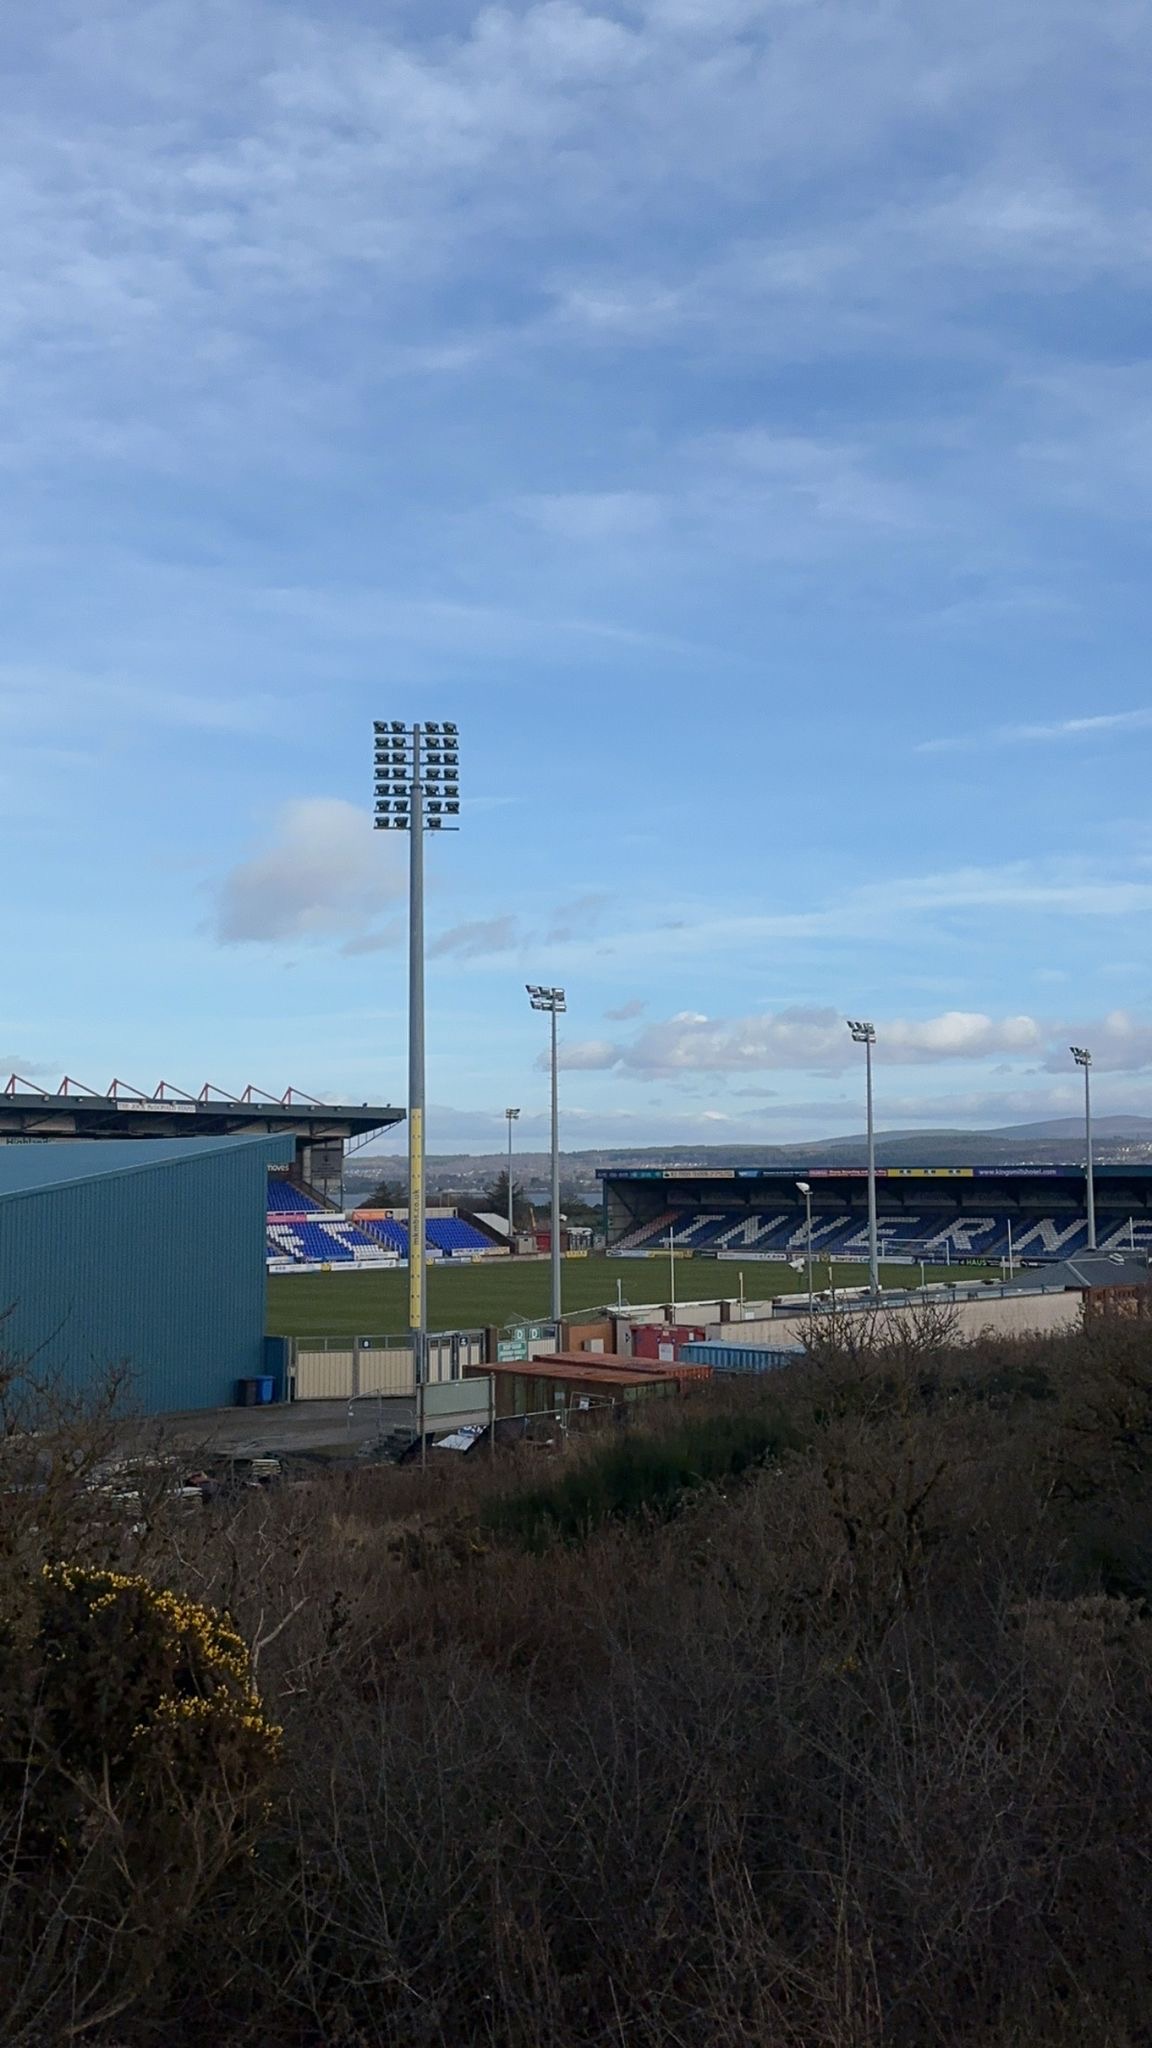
{"x": 736, "y": 414}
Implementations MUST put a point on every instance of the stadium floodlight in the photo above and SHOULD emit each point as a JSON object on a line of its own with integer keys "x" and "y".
{"x": 403, "y": 758}
{"x": 805, "y": 1188}
{"x": 865, "y": 1035}
{"x": 1083, "y": 1058}
{"x": 554, "y": 1002}
{"x": 513, "y": 1117}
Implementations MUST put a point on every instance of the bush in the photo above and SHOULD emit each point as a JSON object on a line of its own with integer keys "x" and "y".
{"x": 135, "y": 1765}
{"x": 815, "y": 1713}
{"x": 637, "y": 1474}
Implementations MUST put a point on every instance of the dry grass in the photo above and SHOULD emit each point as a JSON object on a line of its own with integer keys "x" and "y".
{"x": 850, "y": 1749}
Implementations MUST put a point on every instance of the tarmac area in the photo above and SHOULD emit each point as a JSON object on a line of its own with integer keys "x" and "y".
{"x": 324, "y": 1431}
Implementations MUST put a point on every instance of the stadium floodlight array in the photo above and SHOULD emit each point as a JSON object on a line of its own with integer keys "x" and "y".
{"x": 1083, "y": 1058}
{"x": 865, "y": 1034}
{"x": 417, "y": 767}
{"x": 554, "y": 1002}
{"x": 417, "y": 790}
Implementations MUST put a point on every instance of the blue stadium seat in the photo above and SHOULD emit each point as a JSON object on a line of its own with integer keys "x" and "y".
{"x": 314, "y": 1236}
{"x": 286, "y": 1200}
{"x": 452, "y": 1234}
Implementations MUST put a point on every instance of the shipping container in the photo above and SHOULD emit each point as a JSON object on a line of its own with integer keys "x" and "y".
{"x": 664, "y": 1341}
{"x": 743, "y": 1358}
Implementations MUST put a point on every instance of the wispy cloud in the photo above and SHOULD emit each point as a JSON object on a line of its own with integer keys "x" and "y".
{"x": 477, "y": 939}
{"x": 1101, "y": 726}
{"x": 324, "y": 875}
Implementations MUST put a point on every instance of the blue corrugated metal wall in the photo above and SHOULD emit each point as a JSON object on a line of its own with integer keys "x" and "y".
{"x": 161, "y": 1267}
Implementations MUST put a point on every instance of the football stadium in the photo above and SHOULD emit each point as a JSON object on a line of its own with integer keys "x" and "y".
{"x": 173, "y": 1231}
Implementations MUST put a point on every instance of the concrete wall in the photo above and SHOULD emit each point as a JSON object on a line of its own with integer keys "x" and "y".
{"x": 1008, "y": 1315}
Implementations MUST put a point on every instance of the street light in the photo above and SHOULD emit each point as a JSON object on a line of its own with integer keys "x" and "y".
{"x": 512, "y": 1116}
{"x": 805, "y": 1188}
{"x": 865, "y": 1035}
{"x": 1083, "y": 1058}
{"x": 554, "y": 1002}
{"x": 417, "y": 781}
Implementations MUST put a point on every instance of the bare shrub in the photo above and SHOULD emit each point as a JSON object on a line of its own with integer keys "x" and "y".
{"x": 849, "y": 1750}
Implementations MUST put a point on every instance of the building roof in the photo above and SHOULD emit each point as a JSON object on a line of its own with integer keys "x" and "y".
{"x": 77, "y": 1112}
{"x": 613, "y": 1373}
{"x": 1086, "y": 1269}
{"x": 31, "y": 1169}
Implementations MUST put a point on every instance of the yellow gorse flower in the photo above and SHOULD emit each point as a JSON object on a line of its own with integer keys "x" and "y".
{"x": 218, "y": 1653}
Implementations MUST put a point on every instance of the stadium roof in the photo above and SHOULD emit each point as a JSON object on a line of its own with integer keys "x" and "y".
{"x": 820, "y": 1176}
{"x": 31, "y": 1169}
{"x": 75, "y": 1111}
{"x": 1085, "y": 1269}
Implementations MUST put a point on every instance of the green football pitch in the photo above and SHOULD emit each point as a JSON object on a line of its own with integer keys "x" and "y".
{"x": 463, "y": 1297}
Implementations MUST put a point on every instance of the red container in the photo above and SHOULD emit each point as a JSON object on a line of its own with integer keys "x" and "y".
{"x": 647, "y": 1339}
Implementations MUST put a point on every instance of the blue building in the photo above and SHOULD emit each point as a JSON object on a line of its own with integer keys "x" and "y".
{"x": 144, "y": 1253}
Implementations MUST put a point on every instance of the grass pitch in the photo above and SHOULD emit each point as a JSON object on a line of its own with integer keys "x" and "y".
{"x": 464, "y": 1297}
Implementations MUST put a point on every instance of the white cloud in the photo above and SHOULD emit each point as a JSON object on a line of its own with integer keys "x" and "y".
{"x": 1119, "y": 1044}
{"x": 815, "y": 1040}
{"x": 1101, "y": 726}
{"x": 326, "y": 874}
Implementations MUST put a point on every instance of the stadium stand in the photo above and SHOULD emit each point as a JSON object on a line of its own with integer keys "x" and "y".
{"x": 451, "y": 1234}
{"x": 332, "y": 1242}
{"x": 647, "y": 1233}
{"x": 308, "y": 1234}
{"x": 285, "y": 1199}
{"x": 904, "y": 1239}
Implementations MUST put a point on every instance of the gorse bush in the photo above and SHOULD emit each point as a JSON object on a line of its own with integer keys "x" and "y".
{"x": 136, "y": 1762}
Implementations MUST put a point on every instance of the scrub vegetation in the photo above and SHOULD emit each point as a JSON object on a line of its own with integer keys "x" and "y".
{"x": 815, "y": 1711}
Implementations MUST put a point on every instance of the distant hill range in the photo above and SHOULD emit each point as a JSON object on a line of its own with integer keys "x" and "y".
{"x": 1058, "y": 1140}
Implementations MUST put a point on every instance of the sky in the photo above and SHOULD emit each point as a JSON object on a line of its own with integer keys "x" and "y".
{"x": 735, "y": 414}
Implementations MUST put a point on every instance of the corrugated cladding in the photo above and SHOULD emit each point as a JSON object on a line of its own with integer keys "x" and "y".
{"x": 742, "y": 1357}
{"x": 146, "y": 1253}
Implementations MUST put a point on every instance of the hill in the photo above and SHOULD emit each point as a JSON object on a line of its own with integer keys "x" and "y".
{"x": 1055, "y": 1141}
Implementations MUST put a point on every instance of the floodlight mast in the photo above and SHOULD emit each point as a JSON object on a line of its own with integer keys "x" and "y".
{"x": 554, "y": 1002}
{"x": 865, "y": 1035}
{"x": 805, "y": 1188}
{"x": 417, "y": 783}
{"x": 1083, "y": 1058}
{"x": 512, "y": 1115}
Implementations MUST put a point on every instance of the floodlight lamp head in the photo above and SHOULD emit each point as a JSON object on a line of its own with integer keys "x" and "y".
{"x": 1081, "y": 1055}
{"x": 863, "y": 1034}
{"x": 805, "y": 1187}
{"x": 511, "y": 1115}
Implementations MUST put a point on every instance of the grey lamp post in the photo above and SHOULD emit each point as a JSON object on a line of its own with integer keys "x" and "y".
{"x": 512, "y": 1115}
{"x": 865, "y": 1035}
{"x": 417, "y": 781}
{"x": 1083, "y": 1058}
{"x": 805, "y": 1188}
{"x": 554, "y": 1003}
